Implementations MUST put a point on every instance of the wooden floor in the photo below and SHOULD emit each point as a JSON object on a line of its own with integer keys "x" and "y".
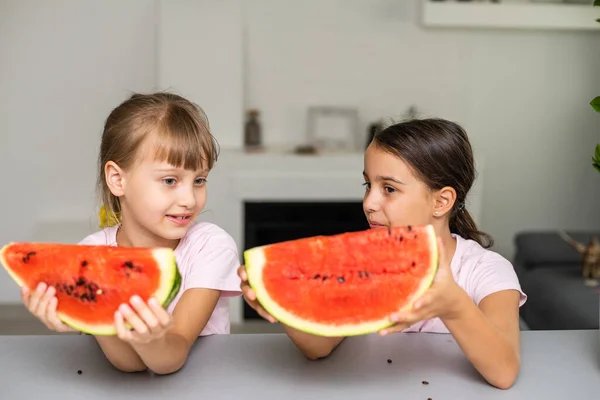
{"x": 16, "y": 320}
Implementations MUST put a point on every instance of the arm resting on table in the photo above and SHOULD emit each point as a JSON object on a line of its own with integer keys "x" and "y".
{"x": 169, "y": 353}
{"x": 120, "y": 354}
{"x": 489, "y": 336}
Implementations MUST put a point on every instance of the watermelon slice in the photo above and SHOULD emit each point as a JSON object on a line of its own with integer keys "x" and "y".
{"x": 346, "y": 284}
{"x": 92, "y": 281}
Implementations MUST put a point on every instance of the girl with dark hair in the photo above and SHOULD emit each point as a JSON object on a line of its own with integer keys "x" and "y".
{"x": 420, "y": 172}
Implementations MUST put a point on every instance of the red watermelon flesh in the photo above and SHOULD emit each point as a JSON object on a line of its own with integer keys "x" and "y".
{"x": 91, "y": 282}
{"x": 347, "y": 284}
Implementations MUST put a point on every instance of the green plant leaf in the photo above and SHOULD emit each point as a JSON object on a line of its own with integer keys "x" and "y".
{"x": 597, "y": 3}
{"x": 596, "y": 158}
{"x": 596, "y": 104}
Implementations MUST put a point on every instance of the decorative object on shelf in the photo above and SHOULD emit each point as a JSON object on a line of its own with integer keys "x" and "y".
{"x": 305, "y": 149}
{"x": 253, "y": 131}
{"x": 332, "y": 128}
{"x": 590, "y": 255}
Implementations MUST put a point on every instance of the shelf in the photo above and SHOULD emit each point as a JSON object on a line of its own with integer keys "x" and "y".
{"x": 510, "y": 15}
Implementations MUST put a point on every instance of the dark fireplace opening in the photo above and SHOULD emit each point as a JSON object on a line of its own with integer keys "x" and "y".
{"x": 273, "y": 222}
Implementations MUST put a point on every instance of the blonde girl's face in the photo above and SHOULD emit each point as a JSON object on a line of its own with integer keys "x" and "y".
{"x": 159, "y": 199}
{"x": 393, "y": 194}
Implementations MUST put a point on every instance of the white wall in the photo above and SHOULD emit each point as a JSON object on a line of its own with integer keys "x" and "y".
{"x": 199, "y": 45}
{"x": 522, "y": 95}
{"x": 64, "y": 65}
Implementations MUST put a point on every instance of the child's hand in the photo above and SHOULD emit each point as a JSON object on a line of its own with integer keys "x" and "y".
{"x": 442, "y": 299}
{"x": 250, "y": 296}
{"x": 149, "y": 321}
{"x": 42, "y": 303}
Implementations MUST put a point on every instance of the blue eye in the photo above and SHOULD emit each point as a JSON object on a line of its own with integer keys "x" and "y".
{"x": 200, "y": 181}
{"x": 169, "y": 181}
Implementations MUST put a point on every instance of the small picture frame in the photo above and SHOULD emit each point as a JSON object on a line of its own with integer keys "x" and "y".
{"x": 332, "y": 128}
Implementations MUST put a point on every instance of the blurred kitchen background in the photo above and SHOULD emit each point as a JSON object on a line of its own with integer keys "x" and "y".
{"x": 293, "y": 90}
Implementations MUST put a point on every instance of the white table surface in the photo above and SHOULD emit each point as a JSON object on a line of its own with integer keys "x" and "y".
{"x": 555, "y": 365}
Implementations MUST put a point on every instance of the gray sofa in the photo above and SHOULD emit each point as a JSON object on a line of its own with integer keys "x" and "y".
{"x": 550, "y": 274}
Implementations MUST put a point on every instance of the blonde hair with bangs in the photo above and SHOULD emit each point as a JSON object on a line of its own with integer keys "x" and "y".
{"x": 180, "y": 131}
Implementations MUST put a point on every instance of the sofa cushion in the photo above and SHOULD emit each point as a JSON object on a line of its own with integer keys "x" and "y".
{"x": 559, "y": 299}
{"x": 548, "y": 249}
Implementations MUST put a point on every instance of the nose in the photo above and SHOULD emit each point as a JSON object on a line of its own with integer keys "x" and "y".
{"x": 187, "y": 197}
{"x": 370, "y": 202}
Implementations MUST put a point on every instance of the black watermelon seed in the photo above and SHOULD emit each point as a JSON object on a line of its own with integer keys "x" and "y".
{"x": 80, "y": 281}
{"x": 412, "y": 264}
{"x": 128, "y": 264}
{"x": 389, "y": 361}
{"x": 425, "y": 383}
{"x": 317, "y": 276}
{"x": 324, "y": 277}
{"x": 366, "y": 274}
{"x": 341, "y": 279}
{"x": 84, "y": 263}
{"x": 79, "y": 372}
{"x": 409, "y": 228}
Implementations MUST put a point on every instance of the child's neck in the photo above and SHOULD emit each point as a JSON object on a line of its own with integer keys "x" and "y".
{"x": 130, "y": 236}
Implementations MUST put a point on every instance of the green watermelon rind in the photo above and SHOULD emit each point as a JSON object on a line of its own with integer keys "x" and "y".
{"x": 168, "y": 288}
{"x": 255, "y": 260}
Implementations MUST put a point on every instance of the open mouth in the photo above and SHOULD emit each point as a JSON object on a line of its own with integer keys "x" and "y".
{"x": 179, "y": 219}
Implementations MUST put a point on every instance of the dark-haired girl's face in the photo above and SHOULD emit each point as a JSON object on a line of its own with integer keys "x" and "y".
{"x": 394, "y": 196}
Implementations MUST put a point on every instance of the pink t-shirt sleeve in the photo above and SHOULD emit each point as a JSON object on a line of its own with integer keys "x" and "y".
{"x": 212, "y": 261}
{"x": 492, "y": 274}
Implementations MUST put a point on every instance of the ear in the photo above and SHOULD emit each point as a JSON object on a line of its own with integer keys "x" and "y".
{"x": 444, "y": 200}
{"x": 115, "y": 178}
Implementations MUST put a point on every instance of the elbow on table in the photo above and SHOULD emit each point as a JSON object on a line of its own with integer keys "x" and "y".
{"x": 168, "y": 368}
{"x": 130, "y": 368}
{"x": 506, "y": 379}
{"x": 316, "y": 354}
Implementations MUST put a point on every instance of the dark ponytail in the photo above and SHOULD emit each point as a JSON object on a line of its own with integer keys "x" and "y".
{"x": 440, "y": 154}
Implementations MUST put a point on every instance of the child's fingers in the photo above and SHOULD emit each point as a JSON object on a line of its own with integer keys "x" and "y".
{"x": 25, "y": 296}
{"x": 242, "y": 273}
{"x": 250, "y": 297}
{"x": 146, "y": 314}
{"x": 134, "y": 320}
{"x": 248, "y": 293}
{"x": 53, "y": 319}
{"x": 161, "y": 314}
{"x": 36, "y": 296}
{"x": 393, "y": 329}
{"x": 424, "y": 301}
{"x": 122, "y": 332}
{"x": 261, "y": 311}
{"x": 42, "y": 307}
